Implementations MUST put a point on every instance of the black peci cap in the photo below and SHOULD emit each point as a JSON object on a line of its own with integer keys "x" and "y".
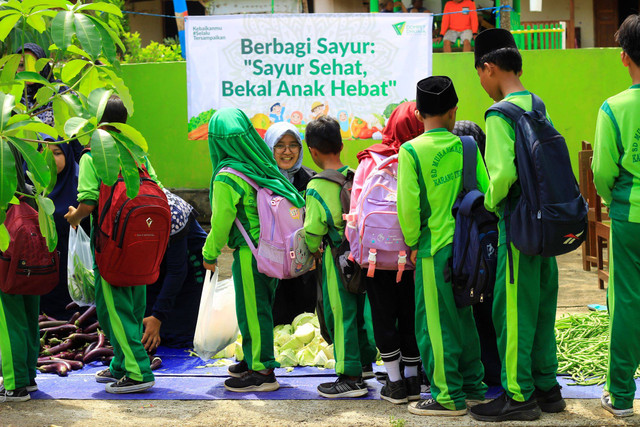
{"x": 493, "y": 39}
{"x": 435, "y": 95}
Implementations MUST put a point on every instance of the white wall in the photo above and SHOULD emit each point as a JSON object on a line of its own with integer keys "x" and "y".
{"x": 558, "y": 10}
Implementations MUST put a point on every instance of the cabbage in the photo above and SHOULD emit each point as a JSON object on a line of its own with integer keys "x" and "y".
{"x": 227, "y": 352}
{"x": 301, "y": 319}
{"x": 239, "y": 353}
{"x": 281, "y": 337}
{"x": 305, "y": 333}
{"x": 294, "y": 344}
{"x": 331, "y": 364}
{"x": 320, "y": 359}
{"x": 305, "y": 357}
{"x": 287, "y": 358}
{"x": 328, "y": 351}
{"x": 287, "y": 329}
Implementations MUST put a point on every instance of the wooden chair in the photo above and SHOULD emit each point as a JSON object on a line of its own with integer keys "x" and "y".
{"x": 588, "y": 191}
{"x": 602, "y": 230}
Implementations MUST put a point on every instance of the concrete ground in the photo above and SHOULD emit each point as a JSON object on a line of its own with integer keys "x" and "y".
{"x": 577, "y": 289}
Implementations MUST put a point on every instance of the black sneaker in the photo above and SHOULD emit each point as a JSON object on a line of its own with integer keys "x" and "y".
{"x": 343, "y": 387}
{"x": 18, "y": 395}
{"x": 605, "y": 400}
{"x": 239, "y": 369}
{"x": 367, "y": 372}
{"x": 394, "y": 392}
{"x": 432, "y": 407}
{"x": 127, "y": 385}
{"x": 550, "y": 401}
{"x": 32, "y": 386}
{"x": 105, "y": 376}
{"x": 505, "y": 408}
{"x": 252, "y": 381}
{"x": 413, "y": 386}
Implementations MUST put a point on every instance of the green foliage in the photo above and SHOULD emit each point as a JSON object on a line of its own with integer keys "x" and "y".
{"x": 154, "y": 52}
{"x": 82, "y": 40}
{"x": 397, "y": 422}
{"x": 200, "y": 119}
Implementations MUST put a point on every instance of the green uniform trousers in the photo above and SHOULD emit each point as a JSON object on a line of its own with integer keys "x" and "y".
{"x": 255, "y": 294}
{"x": 120, "y": 312}
{"x": 348, "y": 320}
{"x": 447, "y": 336}
{"x": 623, "y": 295}
{"x": 19, "y": 338}
{"x": 524, "y": 315}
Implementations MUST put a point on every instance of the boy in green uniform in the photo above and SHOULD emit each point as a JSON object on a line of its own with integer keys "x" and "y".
{"x": 616, "y": 172}
{"x": 343, "y": 311}
{"x": 429, "y": 181}
{"x": 524, "y": 311}
{"x": 120, "y": 309}
{"x": 235, "y": 144}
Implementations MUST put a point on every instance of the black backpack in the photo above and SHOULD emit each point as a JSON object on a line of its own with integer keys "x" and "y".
{"x": 475, "y": 239}
{"x": 350, "y": 272}
{"x": 550, "y": 216}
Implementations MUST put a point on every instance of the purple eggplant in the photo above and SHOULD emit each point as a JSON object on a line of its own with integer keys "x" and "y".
{"x": 61, "y": 368}
{"x": 67, "y": 355}
{"x": 72, "y": 306}
{"x": 44, "y": 318}
{"x": 51, "y": 323}
{"x": 91, "y": 311}
{"x": 92, "y": 328}
{"x": 75, "y": 317}
{"x": 66, "y": 345}
{"x": 84, "y": 338}
{"x": 96, "y": 354}
{"x": 79, "y": 356}
{"x": 156, "y": 363}
{"x": 59, "y": 331}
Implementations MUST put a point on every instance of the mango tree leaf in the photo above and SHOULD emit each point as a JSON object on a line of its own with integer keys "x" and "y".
{"x": 131, "y": 133}
{"x": 18, "y": 118}
{"x": 108, "y": 45}
{"x": 41, "y": 63}
{"x": 32, "y": 77}
{"x": 75, "y": 104}
{"x": 135, "y": 150}
{"x": 5, "y": 239}
{"x": 13, "y": 201}
{"x": 36, "y": 22}
{"x": 7, "y": 23}
{"x": 121, "y": 89}
{"x": 88, "y": 35}
{"x": 7, "y": 102}
{"x": 10, "y": 68}
{"x": 90, "y": 81}
{"x": 74, "y": 125}
{"x": 8, "y": 177}
{"x": 98, "y": 101}
{"x": 46, "y": 204}
{"x": 47, "y": 225}
{"x": 31, "y": 125}
{"x": 113, "y": 35}
{"x": 35, "y": 162}
{"x": 105, "y": 156}
{"x": 102, "y": 7}
{"x": 60, "y": 114}
{"x": 72, "y": 68}
{"x": 62, "y": 29}
{"x": 43, "y": 95}
{"x": 129, "y": 170}
{"x": 50, "y": 160}
{"x": 5, "y": 59}
{"x": 75, "y": 49}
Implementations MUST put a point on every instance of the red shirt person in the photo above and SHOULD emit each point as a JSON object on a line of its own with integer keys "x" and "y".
{"x": 460, "y": 21}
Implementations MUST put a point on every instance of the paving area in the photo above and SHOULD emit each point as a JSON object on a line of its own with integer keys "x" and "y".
{"x": 577, "y": 289}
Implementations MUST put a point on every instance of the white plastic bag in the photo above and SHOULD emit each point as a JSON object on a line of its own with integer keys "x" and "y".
{"x": 80, "y": 277}
{"x": 217, "y": 325}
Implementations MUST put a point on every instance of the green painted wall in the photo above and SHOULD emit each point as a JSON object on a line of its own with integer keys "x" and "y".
{"x": 573, "y": 84}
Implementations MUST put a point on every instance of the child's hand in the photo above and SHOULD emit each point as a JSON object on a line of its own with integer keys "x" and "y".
{"x": 208, "y": 266}
{"x": 151, "y": 336}
{"x": 317, "y": 255}
{"x": 71, "y": 217}
{"x": 414, "y": 257}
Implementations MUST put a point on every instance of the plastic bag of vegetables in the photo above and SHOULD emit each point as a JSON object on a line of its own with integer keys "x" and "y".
{"x": 217, "y": 325}
{"x": 80, "y": 278}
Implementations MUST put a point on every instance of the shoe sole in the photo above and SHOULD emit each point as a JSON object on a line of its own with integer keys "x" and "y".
{"x": 130, "y": 389}
{"x": 612, "y": 410}
{"x": 528, "y": 415}
{"x": 32, "y": 389}
{"x": 262, "y": 387}
{"x": 237, "y": 375}
{"x": 473, "y": 402}
{"x": 394, "y": 401}
{"x": 438, "y": 413}
{"x": 553, "y": 407}
{"x": 413, "y": 397}
{"x": 102, "y": 380}
{"x": 16, "y": 399}
{"x": 352, "y": 393}
{"x": 368, "y": 376}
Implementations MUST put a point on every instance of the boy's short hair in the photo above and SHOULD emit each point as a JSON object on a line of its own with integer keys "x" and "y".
{"x": 115, "y": 111}
{"x": 277, "y": 104}
{"x": 628, "y": 37}
{"x": 323, "y": 134}
{"x": 506, "y": 58}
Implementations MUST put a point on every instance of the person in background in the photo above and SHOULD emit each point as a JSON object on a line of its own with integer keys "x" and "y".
{"x": 391, "y": 6}
{"x": 460, "y": 21}
{"x": 467, "y": 127}
{"x": 417, "y": 7}
{"x": 174, "y": 299}
{"x": 298, "y": 295}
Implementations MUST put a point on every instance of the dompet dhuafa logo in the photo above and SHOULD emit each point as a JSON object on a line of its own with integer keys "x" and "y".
{"x": 401, "y": 28}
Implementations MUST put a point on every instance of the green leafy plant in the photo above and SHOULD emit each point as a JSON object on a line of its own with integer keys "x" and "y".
{"x": 397, "y": 422}
{"x": 76, "y": 94}
{"x": 153, "y": 52}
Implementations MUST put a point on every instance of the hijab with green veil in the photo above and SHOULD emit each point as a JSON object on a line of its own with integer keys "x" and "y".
{"x": 234, "y": 143}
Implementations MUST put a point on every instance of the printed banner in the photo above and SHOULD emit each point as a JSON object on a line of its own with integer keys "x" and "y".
{"x": 354, "y": 67}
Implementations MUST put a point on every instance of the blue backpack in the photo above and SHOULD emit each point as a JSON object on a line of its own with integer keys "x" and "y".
{"x": 475, "y": 239}
{"x": 550, "y": 216}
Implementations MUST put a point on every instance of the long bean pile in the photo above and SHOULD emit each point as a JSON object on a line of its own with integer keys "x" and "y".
{"x": 583, "y": 347}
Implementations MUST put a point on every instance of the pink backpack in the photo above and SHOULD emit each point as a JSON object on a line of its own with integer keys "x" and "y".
{"x": 282, "y": 252}
{"x": 373, "y": 229}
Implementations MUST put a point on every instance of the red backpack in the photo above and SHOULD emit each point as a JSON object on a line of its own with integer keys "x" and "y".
{"x": 27, "y": 267}
{"x": 132, "y": 234}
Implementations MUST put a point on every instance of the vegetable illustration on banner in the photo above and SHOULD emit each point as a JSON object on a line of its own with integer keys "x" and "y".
{"x": 296, "y": 68}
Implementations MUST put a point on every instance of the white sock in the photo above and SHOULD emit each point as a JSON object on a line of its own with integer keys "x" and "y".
{"x": 410, "y": 371}
{"x": 393, "y": 370}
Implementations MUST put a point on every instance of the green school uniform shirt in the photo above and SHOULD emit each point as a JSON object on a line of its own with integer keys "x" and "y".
{"x": 323, "y": 215}
{"x": 89, "y": 181}
{"x": 231, "y": 197}
{"x": 429, "y": 181}
{"x": 616, "y": 155}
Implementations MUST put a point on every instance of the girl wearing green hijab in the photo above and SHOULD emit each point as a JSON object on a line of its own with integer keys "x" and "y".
{"x": 234, "y": 143}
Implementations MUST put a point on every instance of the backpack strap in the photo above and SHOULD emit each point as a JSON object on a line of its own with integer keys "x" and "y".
{"x": 538, "y": 105}
{"x": 469, "y": 163}
{"x": 332, "y": 175}
{"x": 506, "y": 108}
{"x": 242, "y": 176}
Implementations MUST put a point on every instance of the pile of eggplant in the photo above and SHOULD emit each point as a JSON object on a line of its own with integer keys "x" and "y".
{"x": 68, "y": 345}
